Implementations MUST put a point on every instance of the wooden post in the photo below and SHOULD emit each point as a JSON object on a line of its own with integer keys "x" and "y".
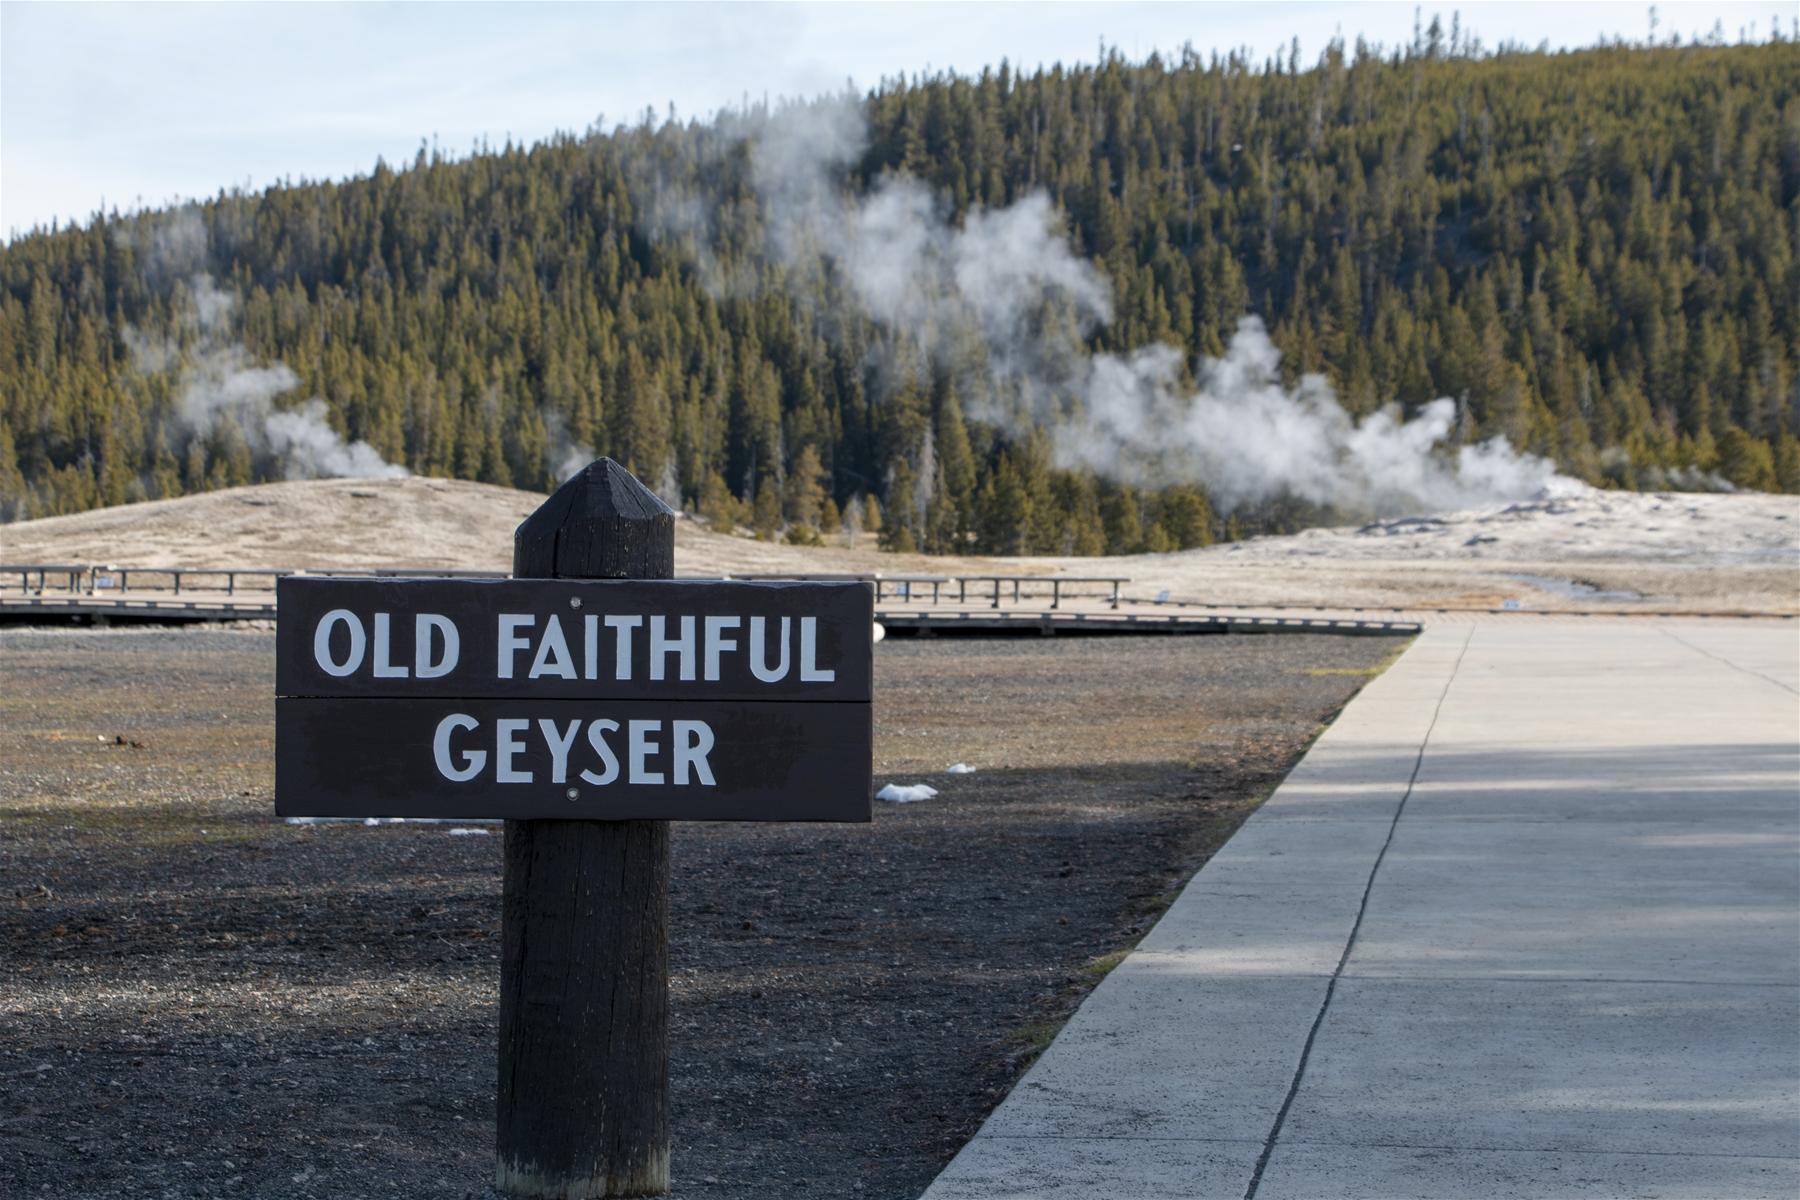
{"x": 583, "y": 1110}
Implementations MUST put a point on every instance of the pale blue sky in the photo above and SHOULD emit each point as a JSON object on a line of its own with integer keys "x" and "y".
{"x": 136, "y": 104}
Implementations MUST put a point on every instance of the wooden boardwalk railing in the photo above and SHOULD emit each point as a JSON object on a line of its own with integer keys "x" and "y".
{"x": 902, "y": 587}
{"x": 96, "y": 578}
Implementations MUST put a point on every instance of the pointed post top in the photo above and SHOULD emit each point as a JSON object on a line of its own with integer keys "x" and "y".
{"x": 600, "y": 524}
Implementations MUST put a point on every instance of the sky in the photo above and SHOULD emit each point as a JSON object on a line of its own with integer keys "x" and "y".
{"x": 143, "y": 104}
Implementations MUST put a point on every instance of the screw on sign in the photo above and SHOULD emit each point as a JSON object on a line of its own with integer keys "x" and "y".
{"x": 588, "y": 701}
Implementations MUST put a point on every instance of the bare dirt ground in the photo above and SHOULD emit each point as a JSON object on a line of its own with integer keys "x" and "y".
{"x": 1581, "y": 551}
{"x": 200, "y": 1000}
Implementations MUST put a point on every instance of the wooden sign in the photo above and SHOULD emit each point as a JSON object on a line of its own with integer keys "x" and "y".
{"x": 573, "y": 699}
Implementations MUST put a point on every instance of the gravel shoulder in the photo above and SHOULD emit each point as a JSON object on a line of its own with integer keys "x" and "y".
{"x": 203, "y": 1001}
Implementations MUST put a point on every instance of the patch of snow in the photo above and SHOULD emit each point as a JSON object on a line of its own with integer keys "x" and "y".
{"x": 906, "y": 793}
{"x": 460, "y": 831}
{"x": 371, "y": 822}
{"x": 1575, "y": 589}
{"x": 959, "y": 769}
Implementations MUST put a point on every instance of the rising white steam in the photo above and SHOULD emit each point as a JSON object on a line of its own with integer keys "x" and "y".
{"x": 1003, "y": 301}
{"x": 311, "y": 449}
{"x": 221, "y": 390}
{"x": 220, "y": 383}
{"x": 1248, "y": 437}
{"x": 564, "y": 453}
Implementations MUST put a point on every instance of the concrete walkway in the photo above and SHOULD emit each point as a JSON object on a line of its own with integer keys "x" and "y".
{"x": 1524, "y": 922}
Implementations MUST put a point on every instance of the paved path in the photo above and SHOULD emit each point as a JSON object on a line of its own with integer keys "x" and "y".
{"x": 1524, "y": 922}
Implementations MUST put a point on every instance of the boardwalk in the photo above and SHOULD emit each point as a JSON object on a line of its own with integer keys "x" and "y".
{"x": 1525, "y": 922}
{"x": 921, "y": 605}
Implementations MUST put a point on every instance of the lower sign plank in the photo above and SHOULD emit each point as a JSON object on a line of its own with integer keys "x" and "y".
{"x": 601, "y": 760}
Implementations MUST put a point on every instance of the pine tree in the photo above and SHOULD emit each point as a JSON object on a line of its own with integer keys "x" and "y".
{"x": 1003, "y": 511}
{"x": 765, "y": 517}
{"x": 898, "y": 527}
{"x": 722, "y": 511}
{"x": 1123, "y": 520}
{"x": 12, "y": 480}
{"x": 1187, "y": 516}
{"x": 805, "y": 489}
{"x": 1747, "y": 462}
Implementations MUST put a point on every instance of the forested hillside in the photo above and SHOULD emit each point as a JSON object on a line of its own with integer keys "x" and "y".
{"x": 1593, "y": 254}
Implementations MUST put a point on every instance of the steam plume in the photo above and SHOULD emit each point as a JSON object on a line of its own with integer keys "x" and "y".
{"x": 1005, "y": 303}
{"x": 1249, "y": 438}
{"x": 220, "y": 383}
{"x": 564, "y": 454}
{"x": 221, "y": 390}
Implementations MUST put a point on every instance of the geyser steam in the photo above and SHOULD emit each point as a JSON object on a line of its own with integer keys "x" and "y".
{"x": 1247, "y": 437}
{"x": 1003, "y": 302}
{"x": 221, "y": 389}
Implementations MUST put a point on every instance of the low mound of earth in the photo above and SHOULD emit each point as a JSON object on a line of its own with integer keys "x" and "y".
{"x": 1584, "y": 550}
{"x": 414, "y": 522}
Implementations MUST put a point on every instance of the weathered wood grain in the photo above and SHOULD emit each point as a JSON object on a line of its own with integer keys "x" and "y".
{"x": 583, "y": 1107}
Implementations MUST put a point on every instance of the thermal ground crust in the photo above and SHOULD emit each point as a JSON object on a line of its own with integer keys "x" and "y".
{"x": 1585, "y": 549}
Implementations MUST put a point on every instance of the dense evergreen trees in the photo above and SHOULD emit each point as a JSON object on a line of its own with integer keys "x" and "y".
{"x": 1595, "y": 252}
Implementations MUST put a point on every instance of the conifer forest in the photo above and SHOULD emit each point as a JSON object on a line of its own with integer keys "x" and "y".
{"x": 1589, "y": 254}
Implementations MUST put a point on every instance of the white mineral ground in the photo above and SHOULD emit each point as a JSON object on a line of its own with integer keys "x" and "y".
{"x": 1586, "y": 550}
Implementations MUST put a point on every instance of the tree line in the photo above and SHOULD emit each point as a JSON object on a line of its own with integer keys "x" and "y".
{"x": 1594, "y": 252}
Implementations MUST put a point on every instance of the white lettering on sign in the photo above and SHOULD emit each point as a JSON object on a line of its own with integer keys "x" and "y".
{"x": 384, "y": 663}
{"x": 510, "y": 641}
{"x": 654, "y": 647}
{"x": 809, "y": 653}
{"x": 507, "y": 747}
{"x": 622, "y": 626}
{"x": 425, "y": 666}
{"x": 597, "y": 731}
{"x": 693, "y": 741}
{"x": 657, "y": 752}
{"x": 437, "y": 646}
{"x": 759, "y": 643}
{"x": 473, "y": 760}
{"x": 662, "y": 645}
{"x": 717, "y": 643}
{"x": 322, "y": 643}
{"x": 559, "y": 741}
{"x": 641, "y": 738}
{"x": 553, "y": 653}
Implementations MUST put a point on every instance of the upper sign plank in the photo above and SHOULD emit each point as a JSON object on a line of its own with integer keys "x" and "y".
{"x": 669, "y": 639}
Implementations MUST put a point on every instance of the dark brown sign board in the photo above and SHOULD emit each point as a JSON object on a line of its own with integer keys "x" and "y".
{"x": 576, "y": 699}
